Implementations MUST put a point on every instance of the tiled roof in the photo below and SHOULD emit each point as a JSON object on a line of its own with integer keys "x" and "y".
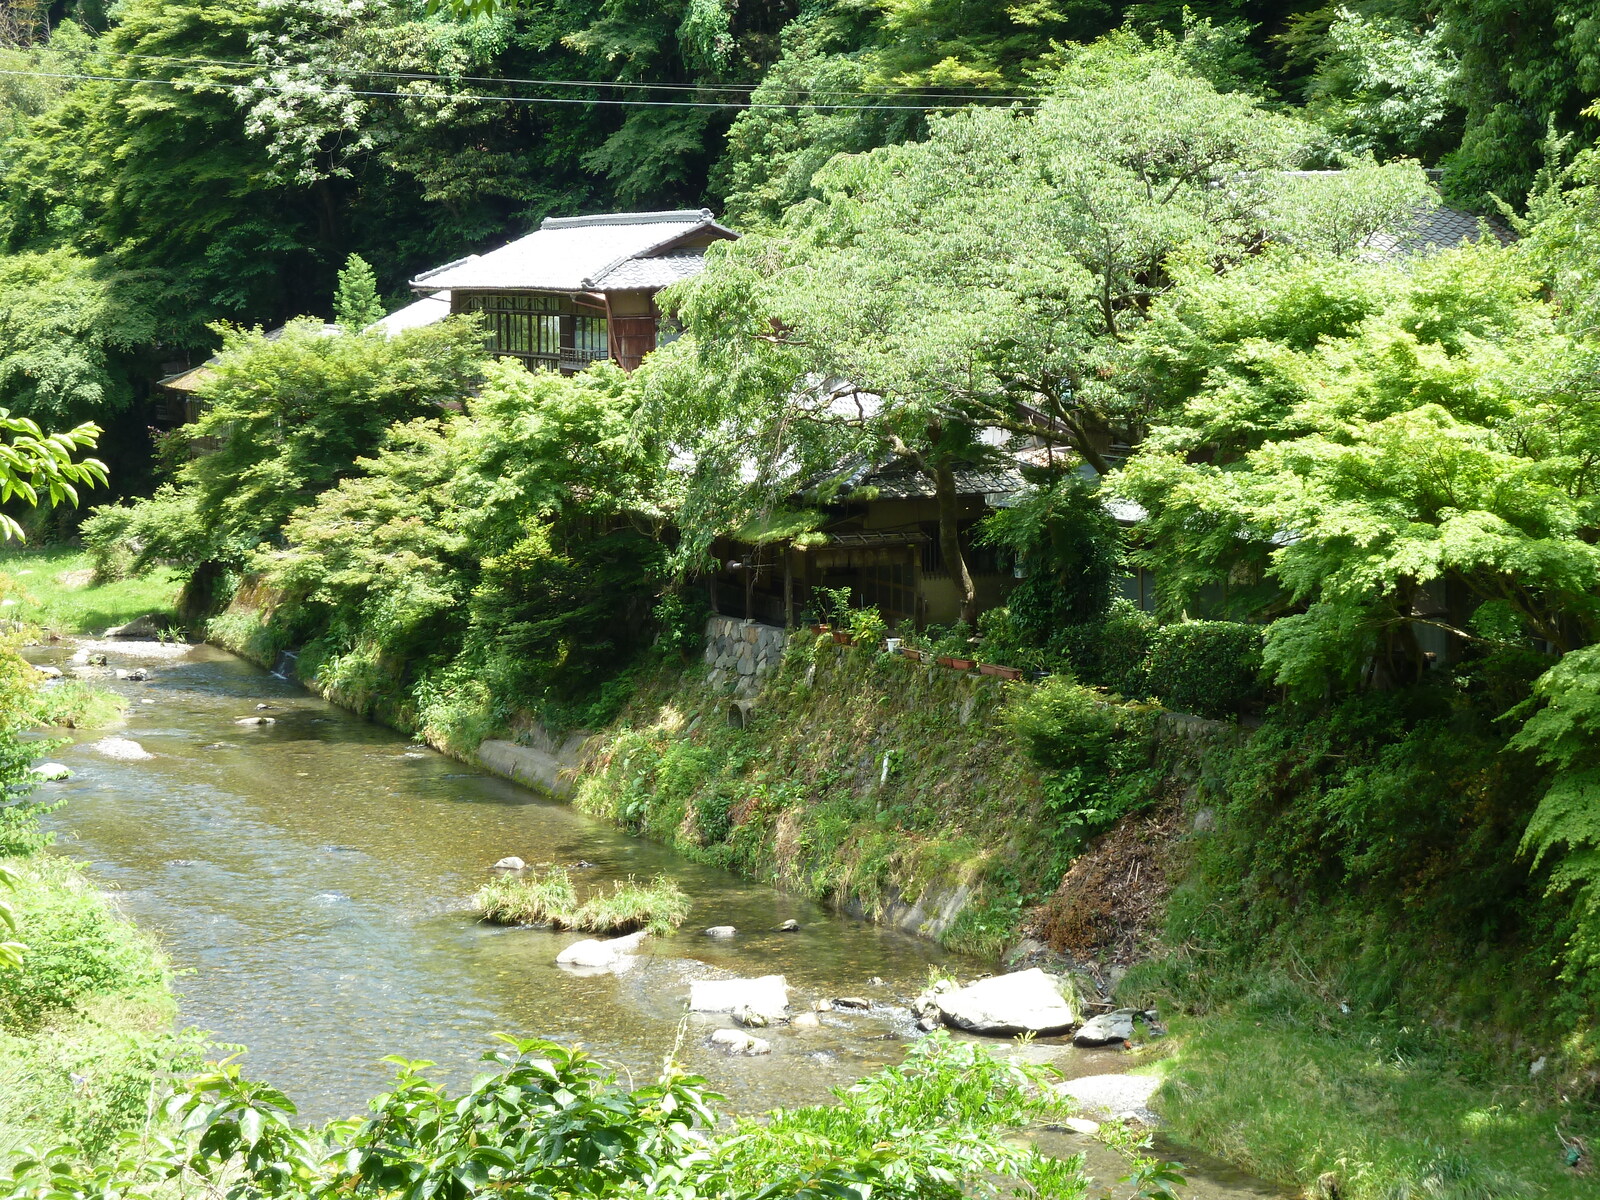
{"x": 901, "y": 480}
{"x": 573, "y": 254}
{"x": 656, "y": 272}
{"x": 1431, "y": 227}
{"x": 1436, "y": 229}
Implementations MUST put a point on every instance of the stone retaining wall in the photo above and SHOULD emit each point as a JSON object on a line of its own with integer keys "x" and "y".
{"x": 741, "y": 654}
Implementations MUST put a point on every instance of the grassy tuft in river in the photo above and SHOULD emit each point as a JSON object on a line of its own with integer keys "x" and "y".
{"x": 659, "y": 906}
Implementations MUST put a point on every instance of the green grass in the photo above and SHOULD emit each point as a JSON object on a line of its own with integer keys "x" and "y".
{"x": 1392, "y": 1112}
{"x": 53, "y": 588}
{"x": 551, "y": 899}
{"x": 74, "y": 704}
{"x": 86, "y": 1024}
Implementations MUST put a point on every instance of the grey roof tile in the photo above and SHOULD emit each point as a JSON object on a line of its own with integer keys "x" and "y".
{"x": 570, "y": 254}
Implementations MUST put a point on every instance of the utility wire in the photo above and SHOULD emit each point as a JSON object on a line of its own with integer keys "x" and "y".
{"x": 737, "y": 89}
{"x": 199, "y": 85}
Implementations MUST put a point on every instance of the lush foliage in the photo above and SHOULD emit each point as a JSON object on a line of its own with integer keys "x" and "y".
{"x": 509, "y": 556}
{"x": 548, "y": 1121}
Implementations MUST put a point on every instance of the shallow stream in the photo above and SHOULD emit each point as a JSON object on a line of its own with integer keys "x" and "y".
{"x": 311, "y": 880}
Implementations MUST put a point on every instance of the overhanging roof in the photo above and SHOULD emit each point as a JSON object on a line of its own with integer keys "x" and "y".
{"x": 579, "y": 254}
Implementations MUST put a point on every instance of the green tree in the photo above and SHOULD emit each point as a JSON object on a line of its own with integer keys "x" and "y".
{"x": 983, "y": 280}
{"x": 286, "y": 418}
{"x": 355, "y": 304}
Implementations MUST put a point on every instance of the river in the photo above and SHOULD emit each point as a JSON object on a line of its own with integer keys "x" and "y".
{"x": 311, "y": 880}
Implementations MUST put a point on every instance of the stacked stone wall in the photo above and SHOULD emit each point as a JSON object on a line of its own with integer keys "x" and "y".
{"x": 741, "y": 654}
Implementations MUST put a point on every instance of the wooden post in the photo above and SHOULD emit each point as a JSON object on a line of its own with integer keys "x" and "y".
{"x": 788, "y": 587}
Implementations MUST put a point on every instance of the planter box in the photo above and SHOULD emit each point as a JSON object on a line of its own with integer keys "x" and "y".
{"x": 913, "y": 655}
{"x": 959, "y": 664}
{"x": 843, "y": 638}
{"x": 1002, "y": 672}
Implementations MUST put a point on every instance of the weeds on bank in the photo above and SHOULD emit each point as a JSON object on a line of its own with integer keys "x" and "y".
{"x": 659, "y": 906}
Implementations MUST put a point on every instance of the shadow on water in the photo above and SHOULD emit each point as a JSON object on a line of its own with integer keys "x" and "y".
{"x": 311, "y": 879}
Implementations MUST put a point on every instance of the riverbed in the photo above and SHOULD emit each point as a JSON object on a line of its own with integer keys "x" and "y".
{"x": 312, "y": 880}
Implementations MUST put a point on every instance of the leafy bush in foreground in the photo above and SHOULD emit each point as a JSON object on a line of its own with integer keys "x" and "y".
{"x": 550, "y": 1122}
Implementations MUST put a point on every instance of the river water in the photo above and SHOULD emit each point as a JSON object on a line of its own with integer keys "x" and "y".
{"x": 312, "y": 879}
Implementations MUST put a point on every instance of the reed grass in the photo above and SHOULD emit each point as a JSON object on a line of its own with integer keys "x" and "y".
{"x": 551, "y": 900}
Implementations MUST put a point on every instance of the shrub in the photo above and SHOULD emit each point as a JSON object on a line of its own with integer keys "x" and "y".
{"x": 1069, "y": 547}
{"x": 1109, "y": 653}
{"x": 1094, "y": 755}
{"x": 527, "y": 900}
{"x": 1063, "y": 725}
{"x": 1209, "y": 668}
{"x": 77, "y": 948}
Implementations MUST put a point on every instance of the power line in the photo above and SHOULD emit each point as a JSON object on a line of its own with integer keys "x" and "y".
{"x": 568, "y": 100}
{"x": 738, "y": 89}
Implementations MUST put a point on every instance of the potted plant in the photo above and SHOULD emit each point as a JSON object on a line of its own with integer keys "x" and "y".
{"x": 913, "y": 645}
{"x": 867, "y": 626}
{"x": 952, "y": 649}
{"x": 1002, "y": 672}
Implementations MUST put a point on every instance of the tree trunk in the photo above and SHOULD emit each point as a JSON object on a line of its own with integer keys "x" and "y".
{"x": 944, "y": 488}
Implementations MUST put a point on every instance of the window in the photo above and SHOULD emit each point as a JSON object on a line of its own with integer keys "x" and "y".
{"x": 544, "y": 331}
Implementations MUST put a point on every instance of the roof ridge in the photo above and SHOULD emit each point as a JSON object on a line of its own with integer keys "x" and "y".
{"x": 665, "y": 216}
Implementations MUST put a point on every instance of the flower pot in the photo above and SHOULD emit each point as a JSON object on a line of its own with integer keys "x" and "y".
{"x": 959, "y": 664}
{"x": 842, "y": 638}
{"x": 820, "y": 628}
{"x": 1001, "y": 672}
{"x": 908, "y": 652}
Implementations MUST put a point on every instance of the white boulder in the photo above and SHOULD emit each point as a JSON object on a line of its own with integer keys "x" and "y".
{"x": 1004, "y": 1005}
{"x": 122, "y": 749}
{"x": 768, "y": 995}
{"x": 721, "y": 931}
{"x": 600, "y": 953}
{"x": 736, "y": 1041}
{"x": 257, "y": 721}
{"x": 52, "y": 772}
{"x": 1113, "y": 1096}
{"x": 49, "y": 672}
{"x": 509, "y": 863}
{"x": 139, "y": 627}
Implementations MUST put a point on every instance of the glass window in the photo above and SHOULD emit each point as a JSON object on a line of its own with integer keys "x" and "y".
{"x": 589, "y": 338}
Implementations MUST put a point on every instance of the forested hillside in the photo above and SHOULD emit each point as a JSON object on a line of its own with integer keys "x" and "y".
{"x": 168, "y": 164}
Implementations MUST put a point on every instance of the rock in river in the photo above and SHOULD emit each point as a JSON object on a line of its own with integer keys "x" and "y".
{"x": 49, "y": 672}
{"x": 768, "y": 995}
{"x": 1108, "y": 1029}
{"x": 600, "y": 953}
{"x": 789, "y": 926}
{"x": 721, "y": 931}
{"x": 1113, "y": 1096}
{"x": 256, "y": 721}
{"x": 52, "y": 772}
{"x": 139, "y": 627}
{"x": 509, "y": 863}
{"x": 122, "y": 749}
{"x": 736, "y": 1041}
{"x": 1022, "y": 1002}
